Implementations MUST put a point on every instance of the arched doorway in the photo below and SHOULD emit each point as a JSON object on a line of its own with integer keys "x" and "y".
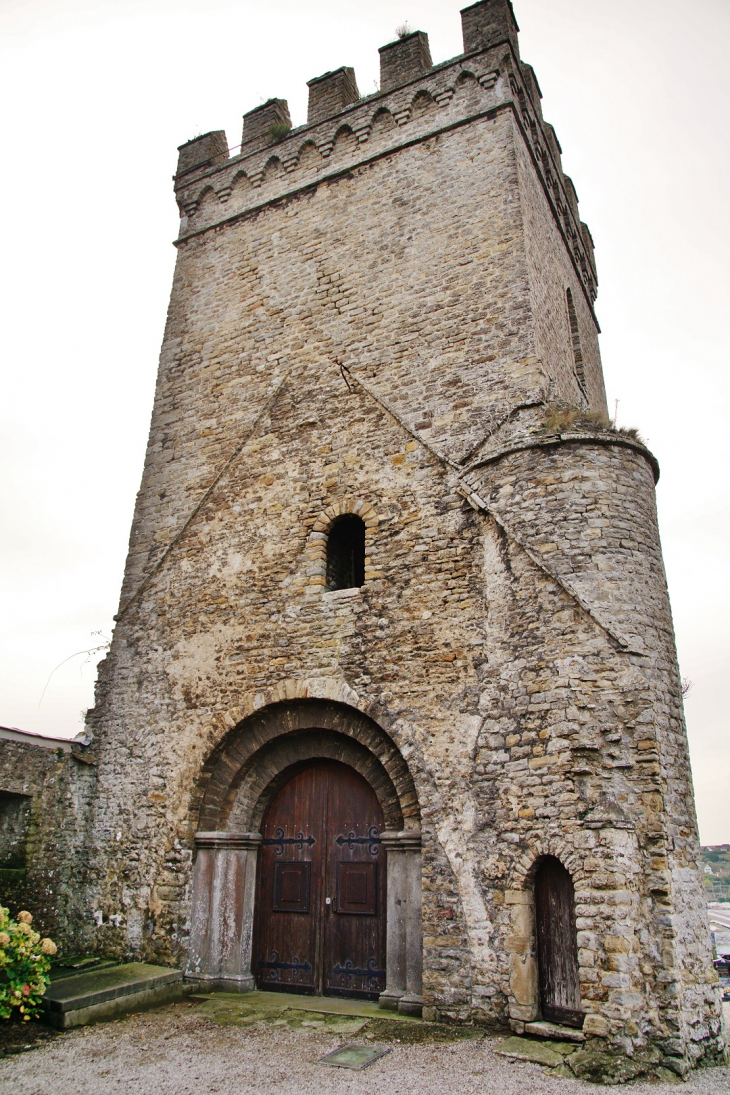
{"x": 239, "y": 785}
{"x": 557, "y": 946}
{"x": 321, "y": 903}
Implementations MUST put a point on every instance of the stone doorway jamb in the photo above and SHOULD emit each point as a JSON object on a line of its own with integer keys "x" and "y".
{"x": 404, "y": 932}
{"x": 224, "y": 886}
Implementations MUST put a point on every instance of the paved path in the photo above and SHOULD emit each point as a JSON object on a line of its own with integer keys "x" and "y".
{"x": 187, "y": 1050}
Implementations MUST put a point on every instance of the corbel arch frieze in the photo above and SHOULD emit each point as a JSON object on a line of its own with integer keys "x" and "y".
{"x": 344, "y": 139}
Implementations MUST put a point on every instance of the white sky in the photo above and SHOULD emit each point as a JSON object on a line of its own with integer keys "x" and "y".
{"x": 97, "y": 94}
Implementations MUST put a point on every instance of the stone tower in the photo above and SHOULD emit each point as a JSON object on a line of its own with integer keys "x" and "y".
{"x": 387, "y": 534}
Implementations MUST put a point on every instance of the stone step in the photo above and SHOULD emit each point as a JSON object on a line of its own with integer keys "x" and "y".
{"x": 544, "y": 1029}
{"x": 539, "y": 1053}
{"x": 107, "y": 993}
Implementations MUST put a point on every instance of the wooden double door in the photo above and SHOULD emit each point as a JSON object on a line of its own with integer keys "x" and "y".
{"x": 320, "y": 909}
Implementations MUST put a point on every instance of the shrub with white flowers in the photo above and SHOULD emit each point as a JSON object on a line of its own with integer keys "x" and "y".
{"x": 25, "y": 960}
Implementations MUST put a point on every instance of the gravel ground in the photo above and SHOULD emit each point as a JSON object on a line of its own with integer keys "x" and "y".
{"x": 178, "y": 1051}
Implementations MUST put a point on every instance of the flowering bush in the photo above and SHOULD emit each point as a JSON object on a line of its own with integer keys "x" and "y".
{"x": 25, "y": 960}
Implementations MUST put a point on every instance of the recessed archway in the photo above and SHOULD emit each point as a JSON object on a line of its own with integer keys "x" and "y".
{"x": 242, "y": 779}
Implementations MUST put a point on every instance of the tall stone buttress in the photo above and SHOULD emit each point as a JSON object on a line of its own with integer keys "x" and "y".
{"x": 388, "y": 313}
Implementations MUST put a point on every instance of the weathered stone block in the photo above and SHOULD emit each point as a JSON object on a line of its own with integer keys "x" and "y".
{"x": 523, "y": 982}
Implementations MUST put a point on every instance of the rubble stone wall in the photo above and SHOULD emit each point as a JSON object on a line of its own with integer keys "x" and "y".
{"x": 56, "y": 784}
{"x": 583, "y": 751}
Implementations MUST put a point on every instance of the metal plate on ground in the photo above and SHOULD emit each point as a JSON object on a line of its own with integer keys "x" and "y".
{"x": 352, "y": 1056}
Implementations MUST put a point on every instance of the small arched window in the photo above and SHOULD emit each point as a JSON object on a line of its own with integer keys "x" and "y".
{"x": 578, "y": 362}
{"x": 346, "y": 553}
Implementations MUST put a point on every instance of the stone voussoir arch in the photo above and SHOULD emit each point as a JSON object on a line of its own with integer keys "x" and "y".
{"x": 296, "y": 721}
{"x": 274, "y": 763}
{"x": 525, "y": 998}
{"x": 316, "y": 550}
{"x": 525, "y": 868}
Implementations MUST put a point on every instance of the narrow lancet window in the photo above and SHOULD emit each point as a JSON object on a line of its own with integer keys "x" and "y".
{"x": 346, "y": 553}
{"x": 578, "y": 362}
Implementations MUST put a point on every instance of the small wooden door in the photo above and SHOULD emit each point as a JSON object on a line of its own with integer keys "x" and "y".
{"x": 557, "y": 947}
{"x": 320, "y": 910}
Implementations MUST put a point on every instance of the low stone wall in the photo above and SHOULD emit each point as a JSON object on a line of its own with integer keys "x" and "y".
{"x": 44, "y": 785}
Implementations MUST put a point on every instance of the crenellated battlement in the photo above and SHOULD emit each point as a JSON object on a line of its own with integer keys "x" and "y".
{"x": 404, "y": 60}
{"x": 417, "y": 101}
{"x": 330, "y": 94}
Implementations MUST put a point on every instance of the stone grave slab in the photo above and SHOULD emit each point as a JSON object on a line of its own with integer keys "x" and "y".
{"x": 353, "y": 1056}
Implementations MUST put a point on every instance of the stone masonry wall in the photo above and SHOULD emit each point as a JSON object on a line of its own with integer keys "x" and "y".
{"x": 551, "y": 273}
{"x": 436, "y": 311}
{"x": 596, "y": 730}
{"x": 241, "y": 615}
{"x": 57, "y": 784}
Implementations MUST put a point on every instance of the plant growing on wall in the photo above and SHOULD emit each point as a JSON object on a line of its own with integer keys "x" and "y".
{"x": 279, "y": 131}
{"x": 564, "y": 417}
{"x": 25, "y": 960}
